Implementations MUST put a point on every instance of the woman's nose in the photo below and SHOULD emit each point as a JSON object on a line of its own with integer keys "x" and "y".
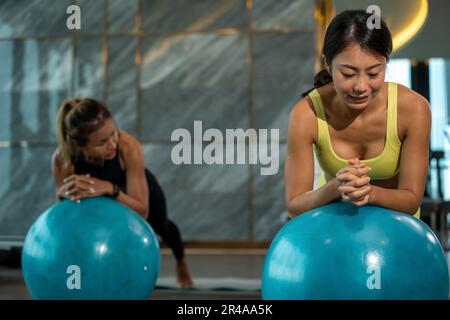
{"x": 112, "y": 143}
{"x": 360, "y": 86}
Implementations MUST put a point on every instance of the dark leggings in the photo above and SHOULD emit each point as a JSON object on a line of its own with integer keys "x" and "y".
{"x": 158, "y": 217}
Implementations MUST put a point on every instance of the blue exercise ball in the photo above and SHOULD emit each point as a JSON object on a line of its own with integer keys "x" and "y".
{"x": 341, "y": 251}
{"x": 95, "y": 249}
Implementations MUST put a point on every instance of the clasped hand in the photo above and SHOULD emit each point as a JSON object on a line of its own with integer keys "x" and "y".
{"x": 354, "y": 182}
{"x": 76, "y": 187}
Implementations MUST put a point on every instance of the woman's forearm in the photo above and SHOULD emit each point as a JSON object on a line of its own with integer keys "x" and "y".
{"x": 132, "y": 203}
{"x": 313, "y": 199}
{"x": 395, "y": 199}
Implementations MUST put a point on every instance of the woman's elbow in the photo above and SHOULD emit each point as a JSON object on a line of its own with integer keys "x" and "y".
{"x": 296, "y": 203}
{"x": 414, "y": 209}
{"x": 292, "y": 214}
{"x": 144, "y": 213}
{"x": 291, "y": 210}
{"x": 416, "y": 202}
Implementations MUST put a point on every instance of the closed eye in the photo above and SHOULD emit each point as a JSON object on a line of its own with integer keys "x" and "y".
{"x": 102, "y": 142}
{"x": 99, "y": 144}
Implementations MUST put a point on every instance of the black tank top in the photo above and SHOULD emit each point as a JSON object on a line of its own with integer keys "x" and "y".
{"x": 110, "y": 171}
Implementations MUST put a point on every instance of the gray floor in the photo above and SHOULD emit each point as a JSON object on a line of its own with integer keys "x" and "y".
{"x": 218, "y": 274}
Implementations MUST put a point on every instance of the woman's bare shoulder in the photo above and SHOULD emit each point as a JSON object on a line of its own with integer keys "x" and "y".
{"x": 411, "y": 104}
{"x": 57, "y": 159}
{"x": 126, "y": 140}
{"x": 59, "y": 165}
{"x": 413, "y": 109}
{"x": 129, "y": 145}
{"x": 407, "y": 98}
{"x": 303, "y": 119}
{"x": 305, "y": 107}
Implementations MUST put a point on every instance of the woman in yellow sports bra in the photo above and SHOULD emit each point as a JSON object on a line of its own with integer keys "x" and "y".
{"x": 370, "y": 137}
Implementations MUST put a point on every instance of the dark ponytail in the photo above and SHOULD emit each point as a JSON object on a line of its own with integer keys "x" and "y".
{"x": 65, "y": 144}
{"x": 320, "y": 79}
{"x": 347, "y": 28}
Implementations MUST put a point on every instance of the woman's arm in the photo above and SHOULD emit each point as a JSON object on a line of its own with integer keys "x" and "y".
{"x": 299, "y": 167}
{"x": 77, "y": 187}
{"x": 413, "y": 162}
{"x": 137, "y": 189}
{"x": 60, "y": 171}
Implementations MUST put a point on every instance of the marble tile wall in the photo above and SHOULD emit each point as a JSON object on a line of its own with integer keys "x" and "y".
{"x": 122, "y": 16}
{"x": 193, "y": 16}
{"x": 122, "y": 92}
{"x": 269, "y": 15}
{"x": 212, "y": 61}
{"x": 26, "y": 189}
{"x": 36, "y": 78}
{"x": 193, "y": 77}
{"x": 89, "y": 70}
{"x": 21, "y": 18}
{"x": 282, "y": 64}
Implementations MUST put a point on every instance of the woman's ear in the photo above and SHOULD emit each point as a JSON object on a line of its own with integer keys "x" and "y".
{"x": 325, "y": 64}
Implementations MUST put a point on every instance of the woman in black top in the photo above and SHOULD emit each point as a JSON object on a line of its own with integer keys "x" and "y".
{"x": 95, "y": 158}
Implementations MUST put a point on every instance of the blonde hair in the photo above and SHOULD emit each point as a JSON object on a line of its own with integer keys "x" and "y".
{"x": 75, "y": 121}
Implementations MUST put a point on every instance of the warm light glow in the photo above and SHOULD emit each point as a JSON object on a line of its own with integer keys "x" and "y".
{"x": 402, "y": 37}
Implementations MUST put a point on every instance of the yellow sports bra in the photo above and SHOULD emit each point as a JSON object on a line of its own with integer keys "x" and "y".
{"x": 384, "y": 166}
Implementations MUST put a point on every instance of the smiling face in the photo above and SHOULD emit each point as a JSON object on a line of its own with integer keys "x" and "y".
{"x": 358, "y": 76}
{"x": 102, "y": 143}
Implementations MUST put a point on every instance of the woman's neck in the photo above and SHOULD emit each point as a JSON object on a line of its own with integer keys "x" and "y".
{"x": 349, "y": 114}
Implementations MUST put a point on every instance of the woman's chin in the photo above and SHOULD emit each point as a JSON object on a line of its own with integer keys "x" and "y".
{"x": 358, "y": 104}
{"x": 358, "y": 100}
{"x": 109, "y": 156}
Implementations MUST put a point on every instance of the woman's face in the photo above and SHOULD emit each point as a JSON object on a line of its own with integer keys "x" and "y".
{"x": 102, "y": 144}
{"x": 358, "y": 76}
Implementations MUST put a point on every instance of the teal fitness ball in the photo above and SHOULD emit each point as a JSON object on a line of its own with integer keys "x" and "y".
{"x": 95, "y": 249}
{"x": 342, "y": 252}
